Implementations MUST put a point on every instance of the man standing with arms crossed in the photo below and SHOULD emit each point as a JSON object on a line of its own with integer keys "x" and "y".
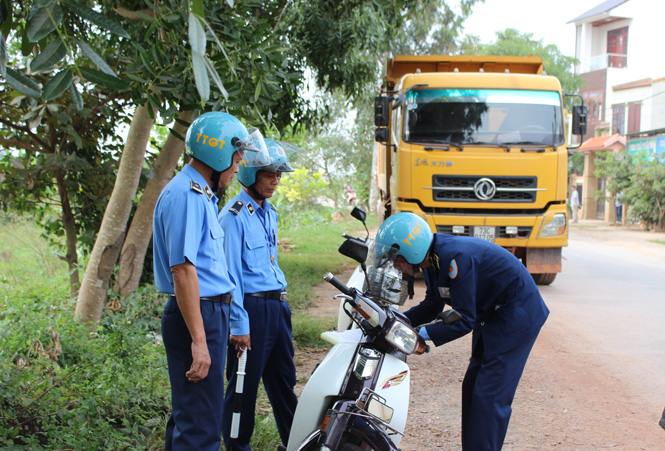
{"x": 190, "y": 266}
{"x": 250, "y": 225}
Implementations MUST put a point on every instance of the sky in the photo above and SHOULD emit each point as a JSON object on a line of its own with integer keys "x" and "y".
{"x": 546, "y": 19}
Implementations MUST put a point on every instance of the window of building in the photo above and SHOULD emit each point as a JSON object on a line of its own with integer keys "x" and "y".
{"x": 617, "y": 47}
{"x": 634, "y": 116}
{"x": 618, "y": 119}
{"x": 593, "y": 99}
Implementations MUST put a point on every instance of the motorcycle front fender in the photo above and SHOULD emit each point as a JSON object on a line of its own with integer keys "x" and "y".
{"x": 345, "y": 427}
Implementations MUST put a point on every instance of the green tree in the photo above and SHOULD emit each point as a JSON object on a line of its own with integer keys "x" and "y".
{"x": 640, "y": 183}
{"x": 512, "y": 42}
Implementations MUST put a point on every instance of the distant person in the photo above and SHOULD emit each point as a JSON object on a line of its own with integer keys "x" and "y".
{"x": 619, "y": 208}
{"x": 575, "y": 204}
{"x": 190, "y": 266}
{"x": 499, "y": 303}
{"x": 261, "y": 324}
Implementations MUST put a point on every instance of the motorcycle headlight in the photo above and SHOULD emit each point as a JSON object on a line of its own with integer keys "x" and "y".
{"x": 554, "y": 227}
{"x": 402, "y": 337}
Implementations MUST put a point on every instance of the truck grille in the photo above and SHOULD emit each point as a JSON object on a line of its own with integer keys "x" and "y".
{"x": 458, "y": 188}
{"x": 522, "y": 232}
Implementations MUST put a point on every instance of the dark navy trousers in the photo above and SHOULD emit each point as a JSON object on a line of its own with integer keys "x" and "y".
{"x": 488, "y": 390}
{"x": 270, "y": 359}
{"x": 196, "y": 418}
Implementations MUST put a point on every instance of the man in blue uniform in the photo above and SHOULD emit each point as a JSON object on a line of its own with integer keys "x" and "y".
{"x": 250, "y": 224}
{"x": 191, "y": 267}
{"x": 499, "y": 302}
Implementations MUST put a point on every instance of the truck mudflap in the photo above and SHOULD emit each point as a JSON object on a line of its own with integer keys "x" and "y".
{"x": 543, "y": 260}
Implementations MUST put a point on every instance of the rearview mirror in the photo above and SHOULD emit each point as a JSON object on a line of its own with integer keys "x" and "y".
{"x": 354, "y": 249}
{"x": 359, "y": 214}
{"x": 579, "y": 119}
{"x": 449, "y": 317}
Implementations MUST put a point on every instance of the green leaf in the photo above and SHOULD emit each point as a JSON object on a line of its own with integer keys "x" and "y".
{"x": 95, "y": 58}
{"x": 3, "y": 54}
{"x": 201, "y": 77}
{"x": 44, "y": 21}
{"x": 76, "y": 97}
{"x": 58, "y": 84}
{"x": 50, "y": 56}
{"x": 105, "y": 80}
{"x": 22, "y": 83}
{"x": 98, "y": 19}
{"x": 197, "y": 36}
{"x": 5, "y": 10}
{"x": 215, "y": 77}
{"x": 197, "y": 8}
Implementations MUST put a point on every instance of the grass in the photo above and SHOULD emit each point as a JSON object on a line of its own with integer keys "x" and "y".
{"x": 310, "y": 252}
{"x": 658, "y": 242}
{"x": 61, "y": 389}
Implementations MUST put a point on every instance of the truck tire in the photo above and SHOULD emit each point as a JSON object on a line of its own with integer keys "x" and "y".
{"x": 544, "y": 279}
{"x": 350, "y": 447}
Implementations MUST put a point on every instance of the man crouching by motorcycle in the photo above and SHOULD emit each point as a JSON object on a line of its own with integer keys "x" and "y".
{"x": 498, "y": 301}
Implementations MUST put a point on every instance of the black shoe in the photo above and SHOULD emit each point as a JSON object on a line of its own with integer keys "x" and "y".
{"x": 662, "y": 420}
{"x": 281, "y": 448}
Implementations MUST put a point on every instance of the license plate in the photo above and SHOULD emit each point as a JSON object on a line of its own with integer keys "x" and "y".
{"x": 485, "y": 233}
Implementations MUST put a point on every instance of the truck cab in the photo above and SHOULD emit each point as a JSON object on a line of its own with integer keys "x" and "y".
{"x": 477, "y": 147}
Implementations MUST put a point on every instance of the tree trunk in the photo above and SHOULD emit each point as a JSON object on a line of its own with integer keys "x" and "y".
{"x": 112, "y": 231}
{"x": 70, "y": 234}
{"x": 136, "y": 243}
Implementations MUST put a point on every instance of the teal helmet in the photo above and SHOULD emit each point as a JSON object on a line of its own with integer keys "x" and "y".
{"x": 404, "y": 234}
{"x": 279, "y": 162}
{"x": 214, "y": 137}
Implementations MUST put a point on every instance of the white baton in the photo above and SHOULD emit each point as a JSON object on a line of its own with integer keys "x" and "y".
{"x": 237, "y": 398}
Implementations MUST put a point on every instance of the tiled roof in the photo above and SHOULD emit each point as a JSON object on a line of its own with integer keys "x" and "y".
{"x": 603, "y": 142}
{"x": 602, "y": 8}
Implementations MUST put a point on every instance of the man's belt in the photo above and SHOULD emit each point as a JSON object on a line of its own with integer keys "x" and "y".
{"x": 219, "y": 299}
{"x": 274, "y": 295}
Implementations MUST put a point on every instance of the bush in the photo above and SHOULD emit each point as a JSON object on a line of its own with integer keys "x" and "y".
{"x": 61, "y": 388}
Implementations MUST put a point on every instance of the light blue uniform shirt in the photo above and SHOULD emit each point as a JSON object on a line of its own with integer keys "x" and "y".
{"x": 251, "y": 249}
{"x": 185, "y": 228}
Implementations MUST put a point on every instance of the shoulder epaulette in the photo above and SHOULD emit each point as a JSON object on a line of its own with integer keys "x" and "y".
{"x": 195, "y": 186}
{"x": 235, "y": 208}
{"x": 250, "y": 209}
{"x": 208, "y": 192}
{"x": 273, "y": 207}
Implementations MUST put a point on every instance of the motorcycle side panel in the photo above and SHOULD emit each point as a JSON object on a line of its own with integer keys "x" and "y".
{"x": 393, "y": 385}
{"x": 324, "y": 384}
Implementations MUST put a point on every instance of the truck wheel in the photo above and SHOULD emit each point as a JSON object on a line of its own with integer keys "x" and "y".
{"x": 350, "y": 447}
{"x": 544, "y": 279}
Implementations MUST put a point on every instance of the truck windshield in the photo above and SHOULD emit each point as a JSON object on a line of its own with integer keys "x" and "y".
{"x": 497, "y": 116}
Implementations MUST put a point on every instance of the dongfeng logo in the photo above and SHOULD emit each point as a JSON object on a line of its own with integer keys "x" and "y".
{"x": 484, "y": 189}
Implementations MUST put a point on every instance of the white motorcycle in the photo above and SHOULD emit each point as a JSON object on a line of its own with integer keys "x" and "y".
{"x": 358, "y": 396}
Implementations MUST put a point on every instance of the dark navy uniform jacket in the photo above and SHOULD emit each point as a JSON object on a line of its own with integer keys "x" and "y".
{"x": 488, "y": 286}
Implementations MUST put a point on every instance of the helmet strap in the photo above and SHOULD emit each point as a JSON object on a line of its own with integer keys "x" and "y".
{"x": 255, "y": 194}
{"x": 214, "y": 178}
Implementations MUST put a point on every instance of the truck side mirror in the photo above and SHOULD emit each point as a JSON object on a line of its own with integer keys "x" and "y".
{"x": 381, "y": 111}
{"x": 579, "y": 119}
{"x": 381, "y": 135}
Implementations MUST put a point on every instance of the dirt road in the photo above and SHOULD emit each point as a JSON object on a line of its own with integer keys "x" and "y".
{"x": 567, "y": 398}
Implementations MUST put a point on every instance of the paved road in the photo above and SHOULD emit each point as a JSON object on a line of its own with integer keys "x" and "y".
{"x": 604, "y": 343}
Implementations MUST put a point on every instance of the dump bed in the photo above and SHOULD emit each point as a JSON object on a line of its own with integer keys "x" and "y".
{"x": 401, "y": 65}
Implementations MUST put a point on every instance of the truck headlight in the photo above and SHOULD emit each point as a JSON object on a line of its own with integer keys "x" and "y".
{"x": 554, "y": 227}
{"x": 402, "y": 337}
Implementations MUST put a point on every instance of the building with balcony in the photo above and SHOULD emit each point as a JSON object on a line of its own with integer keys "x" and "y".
{"x": 622, "y": 65}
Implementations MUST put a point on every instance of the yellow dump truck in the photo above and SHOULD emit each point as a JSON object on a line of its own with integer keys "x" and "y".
{"x": 476, "y": 145}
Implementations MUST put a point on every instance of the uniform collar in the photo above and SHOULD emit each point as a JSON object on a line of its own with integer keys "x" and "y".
{"x": 195, "y": 175}
{"x": 246, "y": 198}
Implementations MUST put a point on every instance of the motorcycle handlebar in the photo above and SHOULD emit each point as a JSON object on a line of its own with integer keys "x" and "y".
{"x": 334, "y": 281}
